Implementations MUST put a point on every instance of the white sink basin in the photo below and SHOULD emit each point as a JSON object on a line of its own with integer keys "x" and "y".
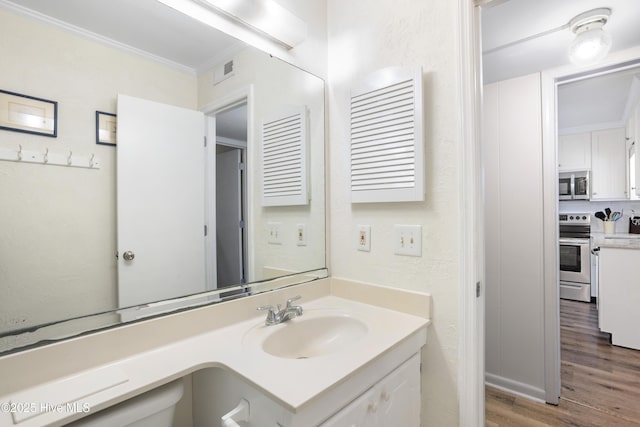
{"x": 310, "y": 335}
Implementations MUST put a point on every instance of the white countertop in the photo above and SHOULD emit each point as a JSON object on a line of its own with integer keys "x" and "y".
{"x": 290, "y": 382}
{"x": 616, "y": 240}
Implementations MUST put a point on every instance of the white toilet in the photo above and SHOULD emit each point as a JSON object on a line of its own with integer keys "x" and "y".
{"x": 154, "y": 408}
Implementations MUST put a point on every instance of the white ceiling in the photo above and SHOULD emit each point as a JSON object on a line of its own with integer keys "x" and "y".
{"x": 145, "y": 25}
{"x": 590, "y": 102}
{"x": 514, "y": 20}
{"x": 152, "y": 27}
{"x": 597, "y": 102}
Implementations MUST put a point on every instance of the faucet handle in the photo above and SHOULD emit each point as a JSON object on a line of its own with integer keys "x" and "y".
{"x": 271, "y": 315}
{"x": 290, "y": 300}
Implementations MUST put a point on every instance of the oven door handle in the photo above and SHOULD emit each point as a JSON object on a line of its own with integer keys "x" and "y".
{"x": 573, "y": 241}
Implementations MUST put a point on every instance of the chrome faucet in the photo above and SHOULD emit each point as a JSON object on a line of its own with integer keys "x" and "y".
{"x": 289, "y": 312}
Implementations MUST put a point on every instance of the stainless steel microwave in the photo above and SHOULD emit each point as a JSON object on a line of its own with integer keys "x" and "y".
{"x": 574, "y": 185}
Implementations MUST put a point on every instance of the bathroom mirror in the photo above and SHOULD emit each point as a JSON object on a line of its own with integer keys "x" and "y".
{"x": 59, "y": 256}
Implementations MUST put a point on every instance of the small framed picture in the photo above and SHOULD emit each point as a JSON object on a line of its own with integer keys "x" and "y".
{"x": 22, "y": 113}
{"x": 106, "y": 127}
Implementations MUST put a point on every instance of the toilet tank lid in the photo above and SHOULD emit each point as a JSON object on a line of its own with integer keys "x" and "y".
{"x": 138, "y": 407}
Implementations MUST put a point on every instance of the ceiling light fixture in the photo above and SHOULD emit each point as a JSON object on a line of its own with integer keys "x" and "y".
{"x": 261, "y": 23}
{"x": 265, "y": 17}
{"x": 591, "y": 44}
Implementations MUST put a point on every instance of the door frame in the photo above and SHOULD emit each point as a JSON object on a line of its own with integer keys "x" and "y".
{"x": 471, "y": 345}
{"x": 550, "y": 81}
{"x": 471, "y": 410}
{"x": 240, "y": 96}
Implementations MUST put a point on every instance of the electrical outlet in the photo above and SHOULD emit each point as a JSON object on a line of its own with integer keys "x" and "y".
{"x": 301, "y": 234}
{"x": 364, "y": 238}
{"x": 274, "y": 235}
{"x": 407, "y": 240}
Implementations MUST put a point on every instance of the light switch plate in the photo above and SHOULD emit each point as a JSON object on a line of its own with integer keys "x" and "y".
{"x": 301, "y": 234}
{"x": 407, "y": 240}
{"x": 274, "y": 234}
{"x": 363, "y": 242}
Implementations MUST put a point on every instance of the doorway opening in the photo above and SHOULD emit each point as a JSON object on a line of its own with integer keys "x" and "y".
{"x": 228, "y": 128}
{"x": 555, "y": 127}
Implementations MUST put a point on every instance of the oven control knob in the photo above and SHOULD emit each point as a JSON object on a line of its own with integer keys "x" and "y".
{"x": 571, "y": 217}
{"x": 584, "y": 217}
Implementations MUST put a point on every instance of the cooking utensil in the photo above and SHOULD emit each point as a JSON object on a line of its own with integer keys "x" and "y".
{"x": 607, "y": 211}
{"x": 600, "y": 215}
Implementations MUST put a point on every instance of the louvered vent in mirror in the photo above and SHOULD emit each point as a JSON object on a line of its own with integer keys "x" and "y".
{"x": 284, "y": 158}
{"x": 387, "y": 156}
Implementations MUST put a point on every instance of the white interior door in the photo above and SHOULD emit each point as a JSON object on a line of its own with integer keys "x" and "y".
{"x": 160, "y": 182}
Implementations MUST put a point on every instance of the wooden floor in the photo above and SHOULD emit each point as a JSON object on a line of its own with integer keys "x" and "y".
{"x": 600, "y": 382}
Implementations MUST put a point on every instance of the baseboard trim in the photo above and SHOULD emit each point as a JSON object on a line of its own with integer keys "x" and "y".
{"x": 515, "y": 387}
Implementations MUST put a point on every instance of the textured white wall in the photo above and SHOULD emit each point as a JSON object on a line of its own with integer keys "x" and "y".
{"x": 364, "y": 37}
{"x": 57, "y": 225}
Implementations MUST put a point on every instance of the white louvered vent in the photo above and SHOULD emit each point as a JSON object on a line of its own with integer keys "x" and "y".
{"x": 387, "y": 156}
{"x": 284, "y": 158}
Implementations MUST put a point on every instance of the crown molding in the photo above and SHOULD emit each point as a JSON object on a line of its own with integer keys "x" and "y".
{"x": 21, "y": 10}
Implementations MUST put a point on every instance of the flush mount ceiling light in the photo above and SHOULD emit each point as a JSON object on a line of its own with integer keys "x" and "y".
{"x": 591, "y": 44}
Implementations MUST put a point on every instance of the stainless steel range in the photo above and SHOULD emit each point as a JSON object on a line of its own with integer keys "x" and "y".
{"x": 575, "y": 256}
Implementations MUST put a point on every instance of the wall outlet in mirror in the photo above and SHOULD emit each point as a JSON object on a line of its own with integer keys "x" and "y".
{"x": 274, "y": 233}
{"x": 301, "y": 234}
{"x": 364, "y": 238}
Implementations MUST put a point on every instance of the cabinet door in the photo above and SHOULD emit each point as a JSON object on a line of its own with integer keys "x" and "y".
{"x": 634, "y": 134}
{"x": 400, "y": 396}
{"x": 609, "y": 165}
{"x": 359, "y": 413}
{"x": 394, "y": 401}
{"x": 574, "y": 151}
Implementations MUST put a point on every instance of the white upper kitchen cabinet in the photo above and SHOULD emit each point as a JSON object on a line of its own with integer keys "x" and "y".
{"x": 633, "y": 141}
{"x": 574, "y": 152}
{"x": 609, "y": 165}
{"x": 632, "y": 151}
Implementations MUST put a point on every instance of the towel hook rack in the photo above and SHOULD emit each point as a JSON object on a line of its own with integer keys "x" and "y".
{"x": 50, "y": 157}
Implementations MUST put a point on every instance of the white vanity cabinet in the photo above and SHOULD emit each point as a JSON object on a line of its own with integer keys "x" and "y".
{"x": 609, "y": 165}
{"x": 391, "y": 399}
{"x": 394, "y": 401}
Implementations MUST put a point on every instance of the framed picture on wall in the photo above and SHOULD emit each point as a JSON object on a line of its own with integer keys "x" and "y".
{"x": 106, "y": 127}
{"x": 23, "y": 113}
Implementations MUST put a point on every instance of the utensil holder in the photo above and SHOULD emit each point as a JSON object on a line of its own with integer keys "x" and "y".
{"x": 634, "y": 225}
{"x": 609, "y": 227}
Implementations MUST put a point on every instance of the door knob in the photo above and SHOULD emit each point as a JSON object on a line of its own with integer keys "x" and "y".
{"x": 128, "y": 256}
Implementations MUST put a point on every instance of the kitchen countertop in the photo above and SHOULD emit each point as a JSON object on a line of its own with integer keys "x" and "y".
{"x": 617, "y": 240}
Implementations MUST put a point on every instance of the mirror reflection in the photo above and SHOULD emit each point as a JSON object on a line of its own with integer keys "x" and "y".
{"x": 64, "y": 232}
